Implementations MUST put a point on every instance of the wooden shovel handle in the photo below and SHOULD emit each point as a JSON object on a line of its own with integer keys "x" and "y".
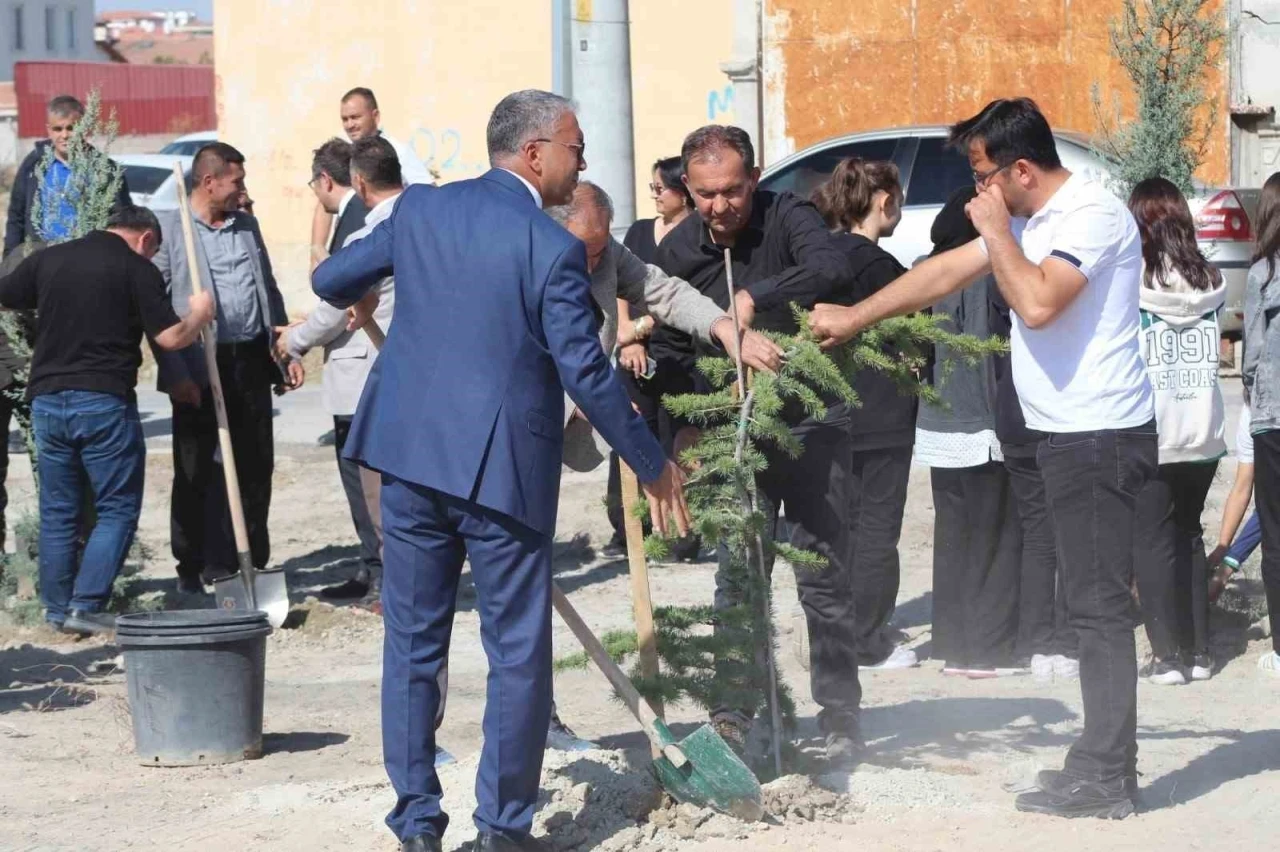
{"x": 621, "y": 685}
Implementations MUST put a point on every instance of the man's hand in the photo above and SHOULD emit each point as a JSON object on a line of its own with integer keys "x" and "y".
{"x": 988, "y": 212}
{"x": 833, "y": 324}
{"x": 758, "y": 351}
{"x": 635, "y": 358}
{"x": 746, "y": 308}
{"x": 685, "y": 438}
{"x": 666, "y": 501}
{"x": 185, "y": 392}
{"x": 282, "y": 339}
{"x": 202, "y": 308}
{"x": 359, "y": 314}
{"x": 295, "y": 375}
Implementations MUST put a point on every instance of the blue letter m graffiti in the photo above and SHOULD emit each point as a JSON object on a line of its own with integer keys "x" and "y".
{"x": 719, "y": 102}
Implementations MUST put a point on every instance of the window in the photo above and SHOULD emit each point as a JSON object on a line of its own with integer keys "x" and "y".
{"x": 50, "y": 40}
{"x": 803, "y": 176}
{"x": 145, "y": 180}
{"x": 939, "y": 171}
{"x": 71, "y": 29}
{"x": 19, "y": 40}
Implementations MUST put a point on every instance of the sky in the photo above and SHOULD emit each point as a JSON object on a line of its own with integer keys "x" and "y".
{"x": 202, "y": 8}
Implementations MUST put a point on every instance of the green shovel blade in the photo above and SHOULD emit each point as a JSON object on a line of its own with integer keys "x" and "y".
{"x": 713, "y": 778}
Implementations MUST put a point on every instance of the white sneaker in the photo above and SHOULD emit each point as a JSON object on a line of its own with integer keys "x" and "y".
{"x": 1270, "y": 663}
{"x": 1042, "y": 668}
{"x": 901, "y": 658}
{"x": 1065, "y": 668}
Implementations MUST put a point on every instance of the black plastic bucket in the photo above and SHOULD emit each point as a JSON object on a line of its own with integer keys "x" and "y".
{"x": 195, "y": 684}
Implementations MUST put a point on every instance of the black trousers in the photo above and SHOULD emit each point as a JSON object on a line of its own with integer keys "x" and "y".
{"x": 877, "y": 489}
{"x": 1266, "y": 472}
{"x": 1169, "y": 558}
{"x": 349, "y": 473}
{"x": 1042, "y": 611}
{"x": 813, "y": 493}
{"x": 1093, "y": 480}
{"x": 977, "y": 546}
{"x": 200, "y": 518}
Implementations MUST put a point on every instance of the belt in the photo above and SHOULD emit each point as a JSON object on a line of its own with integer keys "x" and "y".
{"x": 244, "y": 347}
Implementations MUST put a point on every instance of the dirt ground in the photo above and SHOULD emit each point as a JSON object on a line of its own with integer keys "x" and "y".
{"x": 942, "y": 750}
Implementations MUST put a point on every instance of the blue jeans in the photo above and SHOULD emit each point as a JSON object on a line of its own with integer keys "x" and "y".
{"x": 98, "y": 436}
{"x": 1247, "y": 541}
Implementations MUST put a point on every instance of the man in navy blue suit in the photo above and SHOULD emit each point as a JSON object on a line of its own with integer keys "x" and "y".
{"x": 463, "y": 416}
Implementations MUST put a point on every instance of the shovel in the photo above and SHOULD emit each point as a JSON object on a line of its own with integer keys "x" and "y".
{"x": 250, "y": 589}
{"x": 699, "y": 770}
{"x": 641, "y": 601}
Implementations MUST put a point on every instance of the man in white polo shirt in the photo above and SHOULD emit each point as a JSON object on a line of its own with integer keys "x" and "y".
{"x": 1067, "y": 258}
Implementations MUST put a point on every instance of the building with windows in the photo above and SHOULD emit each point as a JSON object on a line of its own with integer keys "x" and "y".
{"x": 50, "y": 29}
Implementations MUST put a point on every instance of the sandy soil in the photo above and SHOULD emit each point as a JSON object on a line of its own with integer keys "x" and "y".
{"x": 942, "y": 749}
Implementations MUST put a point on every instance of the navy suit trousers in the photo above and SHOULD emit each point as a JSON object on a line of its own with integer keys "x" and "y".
{"x": 427, "y": 537}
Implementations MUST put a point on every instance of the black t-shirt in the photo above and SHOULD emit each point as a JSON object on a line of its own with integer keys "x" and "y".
{"x": 885, "y": 417}
{"x": 94, "y": 298}
{"x": 639, "y": 240}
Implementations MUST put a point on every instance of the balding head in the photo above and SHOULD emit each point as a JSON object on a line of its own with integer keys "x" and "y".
{"x": 587, "y": 216}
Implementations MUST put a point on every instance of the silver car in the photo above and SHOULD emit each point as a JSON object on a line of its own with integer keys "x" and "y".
{"x": 932, "y": 171}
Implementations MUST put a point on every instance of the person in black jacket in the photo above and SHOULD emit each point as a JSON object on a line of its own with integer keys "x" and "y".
{"x": 782, "y": 252}
{"x": 64, "y": 112}
{"x": 862, "y": 202}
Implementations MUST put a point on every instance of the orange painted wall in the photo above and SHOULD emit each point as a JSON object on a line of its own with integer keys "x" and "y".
{"x": 838, "y": 66}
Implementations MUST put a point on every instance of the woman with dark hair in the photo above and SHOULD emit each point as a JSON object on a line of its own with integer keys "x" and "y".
{"x": 861, "y": 203}
{"x": 1261, "y": 374}
{"x": 1179, "y": 302}
{"x": 644, "y": 351}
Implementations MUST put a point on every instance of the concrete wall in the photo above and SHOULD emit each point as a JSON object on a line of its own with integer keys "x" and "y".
{"x": 437, "y": 68}
{"x": 72, "y": 32}
{"x": 829, "y": 71}
{"x": 1257, "y": 50}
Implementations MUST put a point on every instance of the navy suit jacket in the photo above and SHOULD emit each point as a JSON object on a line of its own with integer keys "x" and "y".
{"x": 493, "y": 325}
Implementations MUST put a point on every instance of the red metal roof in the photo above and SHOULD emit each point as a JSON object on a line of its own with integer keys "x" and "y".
{"x": 146, "y": 98}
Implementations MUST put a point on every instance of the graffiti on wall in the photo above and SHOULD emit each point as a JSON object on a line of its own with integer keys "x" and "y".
{"x": 719, "y": 103}
{"x": 442, "y": 152}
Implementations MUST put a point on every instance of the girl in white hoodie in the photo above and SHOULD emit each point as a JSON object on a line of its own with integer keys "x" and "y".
{"x": 1180, "y": 299}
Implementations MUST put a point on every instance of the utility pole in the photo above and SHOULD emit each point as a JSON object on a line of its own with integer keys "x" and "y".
{"x": 600, "y": 81}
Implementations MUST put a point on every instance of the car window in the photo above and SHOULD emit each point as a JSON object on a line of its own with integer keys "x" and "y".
{"x": 145, "y": 180}
{"x": 804, "y": 175}
{"x": 939, "y": 171}
{"x": 183, "y": 149}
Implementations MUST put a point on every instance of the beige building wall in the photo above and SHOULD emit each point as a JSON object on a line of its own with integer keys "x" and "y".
{"x": 676, "y": 82}
{"x": 436, "y": 67}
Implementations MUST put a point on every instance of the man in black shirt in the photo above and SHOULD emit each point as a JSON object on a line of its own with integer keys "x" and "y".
{"x": 782, "y": 253}
{"x": 94, "y": 299}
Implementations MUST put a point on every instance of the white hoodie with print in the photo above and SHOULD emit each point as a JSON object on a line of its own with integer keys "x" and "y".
{"x": 1179, "y": 333}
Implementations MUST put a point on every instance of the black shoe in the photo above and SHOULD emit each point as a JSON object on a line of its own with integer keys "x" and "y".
{"x": 1163, "y": 672}
{"x": 1073, "y": 797}
{"x": 560, "y": 737}
{"x": 353, "y": 588}
{"x": 844, "y": 750}
{"x": 81, "y": 623}
{"x": 617, "y": 545}
{"x": 490, "y": 842}
{"x": 421, "y": 843}
{"x": 190, "y": 585}
{"x": 687, "y": 549}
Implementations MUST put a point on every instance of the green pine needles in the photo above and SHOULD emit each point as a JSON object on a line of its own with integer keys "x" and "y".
{"x": 721, "y": 656}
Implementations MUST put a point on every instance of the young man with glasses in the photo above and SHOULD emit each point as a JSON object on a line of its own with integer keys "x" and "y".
{"x": 1068, "y": 260}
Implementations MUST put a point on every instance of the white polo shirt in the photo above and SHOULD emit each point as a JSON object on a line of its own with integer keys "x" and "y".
{"x": 1083, "y": 371}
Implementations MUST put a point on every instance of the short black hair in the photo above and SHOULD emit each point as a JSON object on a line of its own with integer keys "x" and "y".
{"x": 334, "y": 159}
{"x": 1010, "y": 129}
{"x": 375, "y": 160}
{"x": 131, "y": 217}
{"x": 361, "y": 91}
{"x": 213, "y": 159}
{"x": 671, "y": 172}
{"x": 65, "y": 105}
{"x": 707, "y": 140}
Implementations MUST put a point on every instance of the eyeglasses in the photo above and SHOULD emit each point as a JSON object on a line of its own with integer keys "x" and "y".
{"x": 980, "y": 178}
{"x": 579, "y": 150}
{"x": 658, "y": 189}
